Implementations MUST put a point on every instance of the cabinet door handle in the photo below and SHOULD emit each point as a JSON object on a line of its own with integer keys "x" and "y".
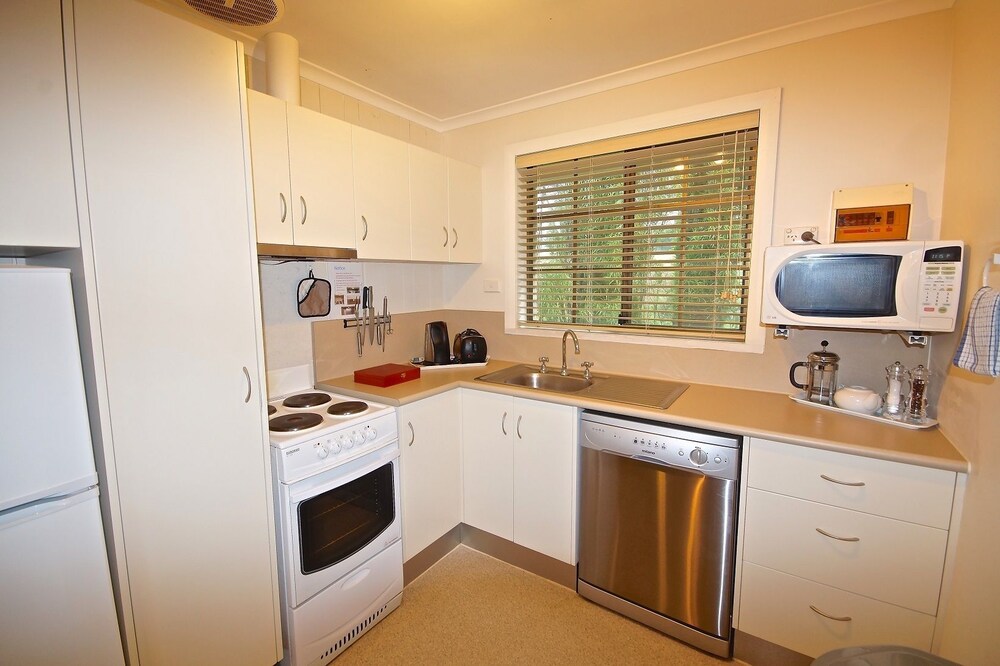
{"x": 445, "y": 229}
{"x": 856, "y": 484}
{"x": 456, "y": 238}
{"x": 830, "y": 617}
{"x": 413, "y": 435}
{"x": 838, "y": 538}
{"x": 364, "y": 234}
{"x": 503, "y": 423}
{"x": 305, "y": 211}
{"x": 246, "y": 373}
{"x": 284, "y": 207}
{"x": 519, "y": 417}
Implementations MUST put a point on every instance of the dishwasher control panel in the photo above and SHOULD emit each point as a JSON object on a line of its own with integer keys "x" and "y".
{"x": 711, "y": 453}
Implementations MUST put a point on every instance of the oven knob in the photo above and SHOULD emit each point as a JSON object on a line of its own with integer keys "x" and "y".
{"x": 334, "y": 446}
{"x": 370, "y": 433}
{"x": 321, "y": 451}
{"x": 699, "y": 457}
{"x": 345, "y": 442}
{"x": 358, "y": 439}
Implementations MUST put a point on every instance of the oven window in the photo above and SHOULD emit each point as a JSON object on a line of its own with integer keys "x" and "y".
{"x": 849, "y": 285}
{"x": 340, "y": 522}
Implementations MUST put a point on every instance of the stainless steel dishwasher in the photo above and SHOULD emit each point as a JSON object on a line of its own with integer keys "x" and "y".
{"x": 658, "y": 507}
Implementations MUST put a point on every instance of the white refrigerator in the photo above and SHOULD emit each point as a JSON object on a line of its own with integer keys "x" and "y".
{"x": 57, "y": 603}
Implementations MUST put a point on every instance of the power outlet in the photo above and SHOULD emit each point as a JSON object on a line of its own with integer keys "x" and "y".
{"x": 794, "y": 235}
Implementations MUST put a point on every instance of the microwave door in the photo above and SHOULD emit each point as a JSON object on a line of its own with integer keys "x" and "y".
{"x": 846, "y": 286}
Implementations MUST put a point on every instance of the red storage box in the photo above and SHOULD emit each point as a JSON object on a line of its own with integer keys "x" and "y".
{"x": 387, "y": 375}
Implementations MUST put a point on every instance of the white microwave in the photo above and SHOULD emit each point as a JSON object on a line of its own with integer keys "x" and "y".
{"x": 887, "y": 286}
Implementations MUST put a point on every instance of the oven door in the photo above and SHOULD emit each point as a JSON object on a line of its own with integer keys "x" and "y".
{"x": 337, "y": 520}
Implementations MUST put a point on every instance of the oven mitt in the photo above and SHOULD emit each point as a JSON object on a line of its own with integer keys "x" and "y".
{"x": 314, "y": 297}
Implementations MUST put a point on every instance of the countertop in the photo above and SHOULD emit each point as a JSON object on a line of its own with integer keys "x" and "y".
{"x": 741, "y": 411}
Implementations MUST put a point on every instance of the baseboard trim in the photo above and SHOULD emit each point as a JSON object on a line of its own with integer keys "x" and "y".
{"x": 755, "y": 650}
{"x": 519, "y": 556}
{"x": 494, "y": 546}
{"x": 426, "y": 558}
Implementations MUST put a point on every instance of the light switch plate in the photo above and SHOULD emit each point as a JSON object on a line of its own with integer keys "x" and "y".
{"x": 491, "y": 286}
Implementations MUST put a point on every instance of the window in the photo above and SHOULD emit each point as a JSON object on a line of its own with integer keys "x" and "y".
{"x": 647, "y": 233}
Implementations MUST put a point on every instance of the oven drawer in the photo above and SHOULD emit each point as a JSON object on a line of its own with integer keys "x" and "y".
{"x": 776, "y": 607}
{"x": 890, "y": 560}
{"x": 896, "y": 490}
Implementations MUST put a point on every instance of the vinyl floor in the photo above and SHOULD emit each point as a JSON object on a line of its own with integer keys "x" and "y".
{"x": 470, "y": 608}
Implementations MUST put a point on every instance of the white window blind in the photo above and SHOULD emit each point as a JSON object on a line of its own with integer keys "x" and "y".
{"x": 647, "y": 233}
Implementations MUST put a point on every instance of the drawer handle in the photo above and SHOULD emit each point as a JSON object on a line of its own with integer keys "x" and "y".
{"x": 834, "y": 536}
{"x": 856, "y": 484}
{"x": 830, "y": 617}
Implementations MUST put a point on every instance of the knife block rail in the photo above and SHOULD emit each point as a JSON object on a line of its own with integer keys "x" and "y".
{"x": 379, "y": 320}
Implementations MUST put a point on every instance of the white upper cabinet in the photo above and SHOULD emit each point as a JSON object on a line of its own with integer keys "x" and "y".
{"x": 36, "y": 166}
{"x": 271, "y": 180}
{"x": 303, "y": 175}
{"x": 382, "y": 196}
{"x": 465, "y": 212}
{"x": 430, "y": 234}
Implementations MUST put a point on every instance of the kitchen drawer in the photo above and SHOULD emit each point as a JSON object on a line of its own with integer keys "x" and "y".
{"x": 776, "y": 607}
{"x": 896, "y": 490}
{"x": 892, "y": 561}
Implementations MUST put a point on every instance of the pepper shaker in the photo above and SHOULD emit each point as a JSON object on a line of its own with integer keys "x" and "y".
{"x": 916, "y": 403}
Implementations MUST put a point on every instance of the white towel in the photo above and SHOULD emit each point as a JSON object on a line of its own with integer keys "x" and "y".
{"x": 979, "y": 350}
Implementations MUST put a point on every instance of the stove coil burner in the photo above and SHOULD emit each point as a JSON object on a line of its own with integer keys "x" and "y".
{"x": 348, "y": 408}
{"x": 306, "y": 400}
{"x": 271, "y": 409}
{"x": 294, "y": 422}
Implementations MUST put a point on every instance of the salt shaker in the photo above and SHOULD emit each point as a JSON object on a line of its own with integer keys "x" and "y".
{"x": 895, "y": 375}
{"x": 916, "y": 403}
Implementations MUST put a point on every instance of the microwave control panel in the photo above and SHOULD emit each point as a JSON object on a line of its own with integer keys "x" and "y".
{"x": 940, "y": 281}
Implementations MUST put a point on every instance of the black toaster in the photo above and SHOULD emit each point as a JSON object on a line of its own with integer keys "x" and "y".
{"x": 470, "y": 346}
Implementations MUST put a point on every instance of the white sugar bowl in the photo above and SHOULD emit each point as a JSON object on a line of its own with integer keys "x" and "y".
{"x": 857, "y": 399}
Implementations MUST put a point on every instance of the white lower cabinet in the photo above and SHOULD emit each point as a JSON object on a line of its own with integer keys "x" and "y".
{"x": 841, "y": 550}
{"x": 430, "y": 469}
{"x": 519, "y": 465}
{"x": 811, "y": 618}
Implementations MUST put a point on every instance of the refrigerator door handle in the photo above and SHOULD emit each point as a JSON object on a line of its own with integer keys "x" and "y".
{"x": 249, "y": 384}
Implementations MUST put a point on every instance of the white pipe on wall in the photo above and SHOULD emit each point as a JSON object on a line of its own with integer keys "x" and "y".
{"x": 282, "y": 53}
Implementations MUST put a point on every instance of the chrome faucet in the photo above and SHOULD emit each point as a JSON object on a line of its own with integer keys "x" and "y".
{"x": 576, "y": 349}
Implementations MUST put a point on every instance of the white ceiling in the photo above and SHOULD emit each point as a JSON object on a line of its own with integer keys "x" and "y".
{"x": 448, "y": 63}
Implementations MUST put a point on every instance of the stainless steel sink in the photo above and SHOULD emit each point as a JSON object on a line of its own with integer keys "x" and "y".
{"x": 656, "y": 393}
{"x": 550, "y": 382}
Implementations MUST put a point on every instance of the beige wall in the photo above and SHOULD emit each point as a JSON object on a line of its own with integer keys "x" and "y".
{"x": 970, "y": 404}
{"x": 864, "y": 107}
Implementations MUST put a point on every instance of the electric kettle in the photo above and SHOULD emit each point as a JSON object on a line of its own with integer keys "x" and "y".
{"x": 821, "y": 375}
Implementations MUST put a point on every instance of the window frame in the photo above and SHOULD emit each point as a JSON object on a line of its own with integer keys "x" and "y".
{"x": 768, "y": 104}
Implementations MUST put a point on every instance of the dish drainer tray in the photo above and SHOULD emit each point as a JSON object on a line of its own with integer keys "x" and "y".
{"x": 877, "y": 416}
